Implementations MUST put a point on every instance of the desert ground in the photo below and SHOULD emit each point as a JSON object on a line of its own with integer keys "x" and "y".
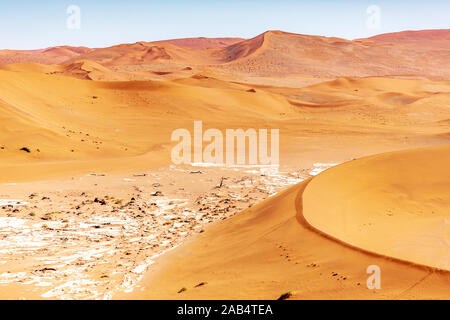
{"x": 92, "y": 206}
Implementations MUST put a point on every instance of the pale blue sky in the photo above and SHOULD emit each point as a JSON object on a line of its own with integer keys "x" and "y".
{"x": 27, "y": 24}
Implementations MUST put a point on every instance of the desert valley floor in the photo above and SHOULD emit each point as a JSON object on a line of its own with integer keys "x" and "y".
{"x": 92, "y": 207}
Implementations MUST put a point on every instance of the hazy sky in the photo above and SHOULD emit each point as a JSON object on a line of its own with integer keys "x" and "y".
{"x": 27, "y": 24}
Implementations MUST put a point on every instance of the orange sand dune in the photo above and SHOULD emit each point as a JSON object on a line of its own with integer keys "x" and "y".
{"x": 271, "y": 249}
{"x": 394, "y": 204}
{"x": 387, "y": 92}
{"x": 84, "y": 69}
{"x": 81, "y": 69}
{"x": 32, "y": 67}
{"x": 67, "y": 54}
{"x": 90, "y": 70}
{"x": 64, "y": 119}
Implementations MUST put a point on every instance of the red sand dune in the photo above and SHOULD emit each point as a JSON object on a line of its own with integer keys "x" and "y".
{"x": 53, "y": 55}
{"x": 202, "y": 43}
{"x": 408, "y": 54}
{"x": 281, "y": 53}
{"x": 286, "y": 53}
{"x": 428, "y": 35}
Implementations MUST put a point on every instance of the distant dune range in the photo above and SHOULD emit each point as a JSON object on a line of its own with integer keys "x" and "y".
{"x": 407, "y": 54}
{"x": 67, "y": 112}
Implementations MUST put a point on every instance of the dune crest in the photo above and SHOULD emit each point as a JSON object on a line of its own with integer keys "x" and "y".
{"x": 275, "y": 246}
{"x": 272, "y": 53}
{"x": 202, "y": 42}
{"x": 393, "y": 204}
{"x": 435, "y": 34}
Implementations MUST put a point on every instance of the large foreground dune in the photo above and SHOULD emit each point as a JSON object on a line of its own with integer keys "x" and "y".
{"x": 393, "y": 204}
{"x": 277, "y": 246}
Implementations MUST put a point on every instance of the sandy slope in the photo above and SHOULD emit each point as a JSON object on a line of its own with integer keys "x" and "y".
{"x": 270, "y": 248}
{"x": 74, "y": 122}
{"x": 72, "y": 246}
{"x": 394, "y": 204}
{"x": 62, "y": 54}
{"x": 58, "y": 118}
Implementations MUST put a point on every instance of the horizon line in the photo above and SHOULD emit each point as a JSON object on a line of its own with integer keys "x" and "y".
{"x": 227, "y": 37}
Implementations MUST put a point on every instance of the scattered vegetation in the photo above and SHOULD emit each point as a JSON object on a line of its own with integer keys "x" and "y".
{"x": 182, "y": 290}
{"x": 201, "y": 284}
{"x": 26, "y": 149}
{"x": 100, "y": 201}
{"x": 285, "y": 296}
